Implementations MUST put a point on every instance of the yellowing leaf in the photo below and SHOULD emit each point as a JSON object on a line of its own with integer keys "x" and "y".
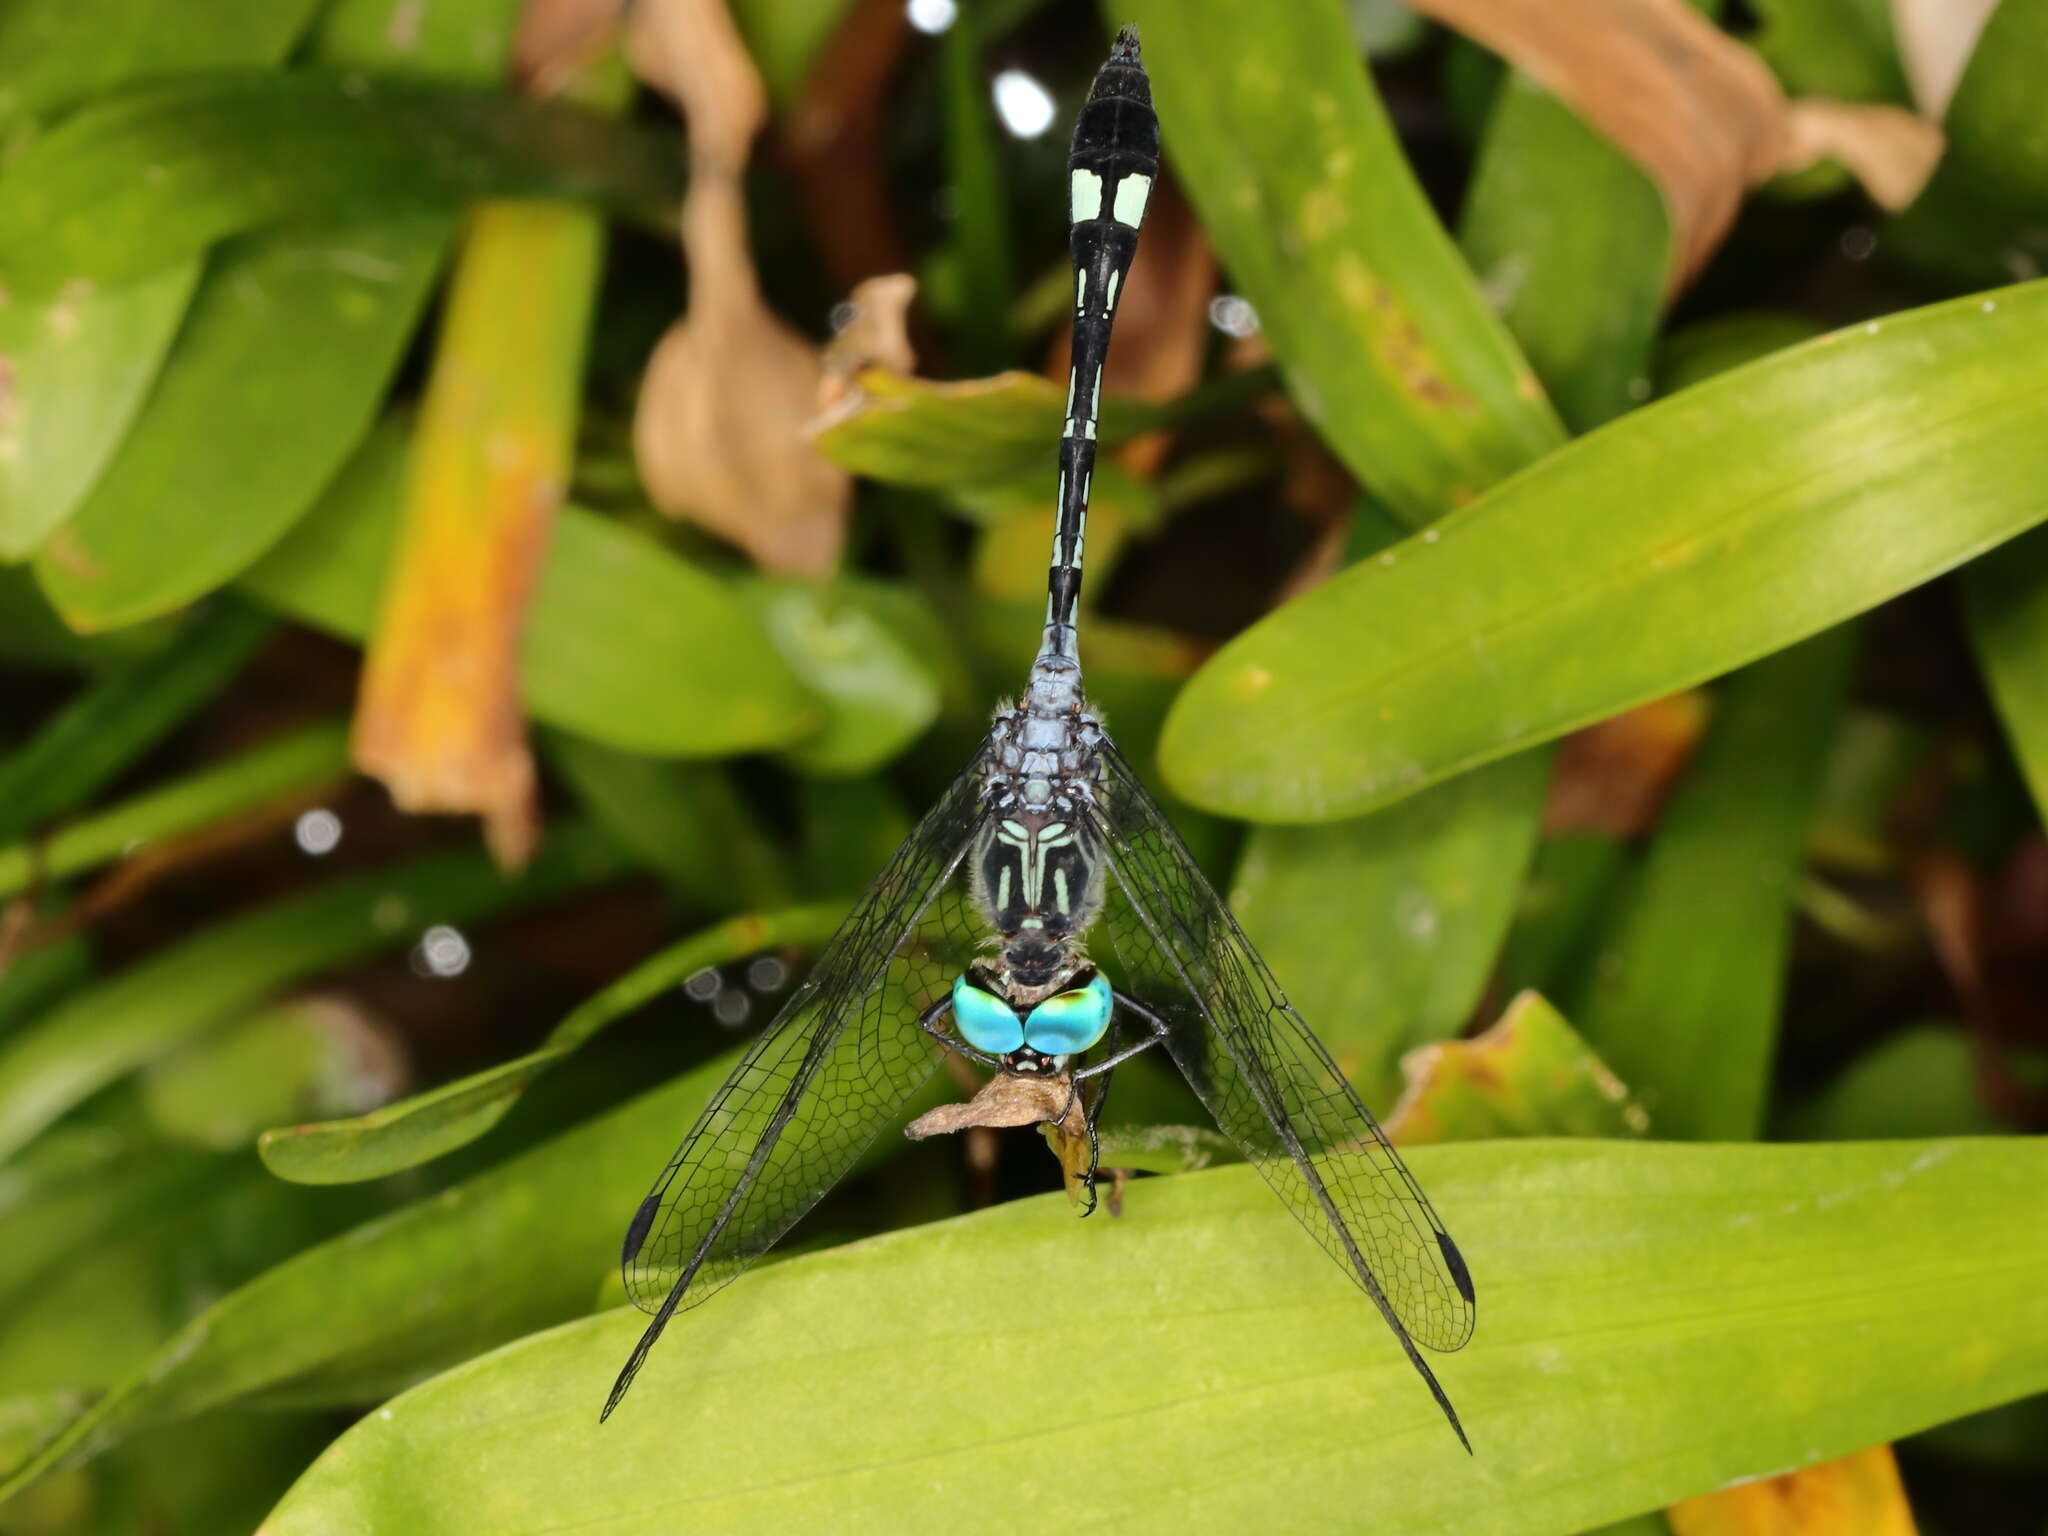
{"x": 1858, "y": 1495}
{"x": 1529, "y": 1075}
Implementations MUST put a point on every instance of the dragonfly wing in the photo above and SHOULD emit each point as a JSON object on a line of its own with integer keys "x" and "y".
{"x": 832, "y": 1070}
{"x": 1268, "y": 1081}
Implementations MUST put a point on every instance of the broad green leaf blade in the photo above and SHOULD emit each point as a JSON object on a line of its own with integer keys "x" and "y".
{"x": 1920, "y": 1082}
{"x": 159, "y": 172}
{"x": 1839, "y": 48}
{"x": 1384, "y": 929}
{"x": 1570, "y": 240}
{"x": 80, "y": 364}
{"x": 979, "y": 442}
{"x": 60, "y": 52}
{"x": 1683, "y": 1001}
{"x": 172, "y": 996}
{"x": 423, "y": 1127}
{"x": 2006, "y": 599}
{"x": 1726, "y": 522}
{"x": 112, "y": 722}
{"x": 1559, "y": 912}
{"x": 878, "y": 693}
{"x": 88, "y": 1320}
{"x": 625, "y": 642}
{"x": 293, "y": 766}
{"x": 1726, "y": 341}
{"x": 517, "y": 1248}
{"x": 1657, "y": 1320}
{"x": 83, "y": 357}
{"x": 276, "y": 376}
{"x": 684, "y": 821}
{"x": 1529, "y": 1074}
{"x": 1385, "y": 342}
{"x": 978, "y": 249}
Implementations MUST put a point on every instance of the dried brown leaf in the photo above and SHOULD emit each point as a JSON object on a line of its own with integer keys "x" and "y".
{"x": 557, "y": 40}
{"x": 1615, "y": 776}
{"x": 876, "y": 336}
{"x": 1007, "y": 1099}
{"x": 691, "y": 52}
{"x": 1699, "y": 112}
{"x": 1887, "y": 148}
{"x": 719, "y": 432}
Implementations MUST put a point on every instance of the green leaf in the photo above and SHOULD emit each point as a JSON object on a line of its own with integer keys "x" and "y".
{"x": 979, "y": 245}
{"x": 625, "y": 643}
{"x": 81, "y": 363}
{"x": 1726, "y": 341}
{"x": 1997, "y": 154}
{"x": 106, "y": 1304}
{"x": 1385, "y": 342}
{"x": 115, "y": 720}
{"x": 1683, "y": 1001}
{"x": 1980, "y": 219}
{"x": 979, "y": 442}
{"x": 275, "y": 377}
{"x": 61, "y": 52}
{"x": 1920, "y": 1082}
{"x": 427, "y": 1125}
{"x": 2006, "y": 600}
{"x": 684, "y": 821}
{"x": 304, "y": 1056}
{"x": 83, "y": 358}
{"x": 1570, "y": 240}
{"x": 294, "y": 765}
{"x": 1570, "y": 592}
{"x": 1559, "y": 910}
{"x": 879, "y": 694}
{"x": 37, "y": 975}
{"x": 1656, "y": 1321}
{"x": 785, "y": 38}
{"x": 80, "y": 1181}
{"x": 230, "y": 967}
{"x": 1529, "y": 1074}
{"x": 161, "y": 171}
{"x": 1384, "y": 929}
{"x": 1838, "y": 48}
{"x": 516, "y": 1248}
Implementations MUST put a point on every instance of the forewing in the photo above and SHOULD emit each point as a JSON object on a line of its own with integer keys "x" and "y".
{"x": 1268, "y": 1081}
{"x": 834, "y": 1068}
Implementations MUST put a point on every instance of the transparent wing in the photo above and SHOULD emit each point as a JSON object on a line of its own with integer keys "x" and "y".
{"x": 832, "y": 1070}
{"x": 1268, "y": 1081}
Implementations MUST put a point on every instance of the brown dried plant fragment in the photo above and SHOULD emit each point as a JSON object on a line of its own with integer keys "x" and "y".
{"x": 1051, "y": 1101}
{"x": 720, "y": 428}
{"x": 1614, "y": 777}
{"x": 1699, "y": 112}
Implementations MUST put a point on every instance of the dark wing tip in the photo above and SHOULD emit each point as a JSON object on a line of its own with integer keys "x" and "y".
{"x": 636, "y": 1231}
{"x": 1125, "y": 50}
{"x": 1461, "y": 1277}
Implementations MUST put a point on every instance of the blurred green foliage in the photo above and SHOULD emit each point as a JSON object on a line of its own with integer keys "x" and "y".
{"x": 318, "y": 1131}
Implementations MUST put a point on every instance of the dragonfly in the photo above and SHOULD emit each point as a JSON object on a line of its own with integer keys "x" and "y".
{"x": 1046, "y": 921}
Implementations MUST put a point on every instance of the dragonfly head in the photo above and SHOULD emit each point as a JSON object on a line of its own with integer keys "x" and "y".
{"x": 1032, "y": 1029}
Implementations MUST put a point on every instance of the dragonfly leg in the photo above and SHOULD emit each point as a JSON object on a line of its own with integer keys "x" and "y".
{"x": 928, "y": 1021}
{"x": 1115, "y": 1056}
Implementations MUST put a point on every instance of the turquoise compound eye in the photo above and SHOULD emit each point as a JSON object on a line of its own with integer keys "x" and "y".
{"x": 984, "y": 1020}
{"x": 1070, "y": 1023}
